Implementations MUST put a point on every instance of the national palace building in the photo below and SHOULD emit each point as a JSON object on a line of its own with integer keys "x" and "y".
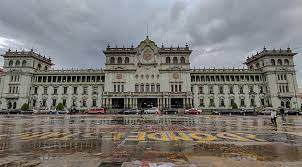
{"x": 149, "y": 75}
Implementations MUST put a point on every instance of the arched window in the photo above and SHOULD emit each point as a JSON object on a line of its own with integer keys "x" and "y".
{"x": 17, "y": 63}
{"x": 9, "y": 105}
{"x": 45, "y": 68}
{"x": 158, "y": 87}
{"x": 182, "y": 60}
{"x": 168, "y": 60}
{"x": 127, "y": 60}
{"x": 251, "y": 67}
{"x": 221, "y": 104}
{"x": 23, "y": 63}
{"x": 147, "y": 88}
{"x": 142, "y": 88}
{"x": 286, "y": 62}
{"x": 112, "y": 60}
{"x": 258, "y": 65}
{"x": 273, "y": 62}
{"x": 119, "y": 60}
{"x": 136, "y": 88}
{"x": 279, "y": 62}
{"x": 14, "y": 105}
{"x": 39, "y": 67}
{"x": 175, "y": 60}
{"x": 11, "y": 63}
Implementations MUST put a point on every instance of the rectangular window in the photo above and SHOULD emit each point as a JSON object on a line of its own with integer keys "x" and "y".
{"x": 122, "y": 88}
{"x": 118, "y": 88}
{"x": 75, "y": 90}
{"x": 242, "y": 103}
{"x": 251, "y": 89}
{"x": 84, "y": 103}
{"x": 175, "y": 88}
{"x": 201, "y": 103}
{"x": 261, "y": 89}
{"x": 252, "y": 102}
{"x": 55, "y": 91}
{"x": 65, "y": 90}
{"x": 44, "y": 103}
{"x": 231, "y": 89}
{"x": 64, "y": 102}
{"x": 114, "y": 88}
{"x": 172, "y": 88}
{"x": 45, "y": 90}
{"x": 95, "y": 90}
{"x": 93, "y": 102}
{"x": 211, "y": 90}
{"x": 54, "y": 102}
{"x": 179, "y": 88}
{"x": 36, "y": 90}
{"x": 221, "y": 90}
{"x": 200, "y": 90}
{"x": 241, "y": 90}
{"x": 85, "y": 90}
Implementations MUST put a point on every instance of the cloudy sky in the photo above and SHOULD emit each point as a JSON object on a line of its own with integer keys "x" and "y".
{"x": 221, "y": 33}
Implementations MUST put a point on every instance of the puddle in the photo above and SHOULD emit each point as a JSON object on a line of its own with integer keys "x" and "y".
{"x": 164, "y": 138}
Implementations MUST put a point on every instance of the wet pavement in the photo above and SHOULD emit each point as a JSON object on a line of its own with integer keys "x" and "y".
{"x": 115, "y": 140}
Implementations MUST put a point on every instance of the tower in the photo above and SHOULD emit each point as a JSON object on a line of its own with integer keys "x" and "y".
{"x": 19, "y": 67}
{"x": 279, "y": 73}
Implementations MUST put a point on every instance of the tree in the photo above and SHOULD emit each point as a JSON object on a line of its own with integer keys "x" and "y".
{"x": 60, "y": 106}
{"x": 25, "y": 107}
{"x": 234, "y": 106}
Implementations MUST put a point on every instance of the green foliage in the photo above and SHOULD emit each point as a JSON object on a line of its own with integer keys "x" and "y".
{"x": 60, "y": 106}
{"x": 234, "y": 106}
{"x": 25, "y": 107}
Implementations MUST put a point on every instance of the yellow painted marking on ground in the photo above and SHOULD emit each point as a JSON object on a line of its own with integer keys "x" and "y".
{"x": 53, "y": 135}
{"x": 202, "y": 137}
{"x": 68, "y": 137}
{"x": 231, "y": 136}
{"x": 251, "y": 136}
{"x": 36, "y": 136}
{"x": 161, "y": 136}
{"x": 175, "y": 136}
{"x": 137, "y": 136}
{"x": 118, "y": 136}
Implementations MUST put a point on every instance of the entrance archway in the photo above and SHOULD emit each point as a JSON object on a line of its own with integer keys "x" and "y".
{"x": 146, "y": 102}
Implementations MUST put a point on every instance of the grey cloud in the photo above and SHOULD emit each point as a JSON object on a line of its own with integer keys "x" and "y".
{"x": 222, "y": 33}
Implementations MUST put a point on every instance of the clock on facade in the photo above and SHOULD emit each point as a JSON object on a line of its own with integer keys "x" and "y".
{"x": 176, "y": 76}
{"x": 147, "y": 55}
{"x": 119, "y": 76}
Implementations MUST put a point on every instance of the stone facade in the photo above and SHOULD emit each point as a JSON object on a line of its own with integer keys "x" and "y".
{"x": 148, "y": 75}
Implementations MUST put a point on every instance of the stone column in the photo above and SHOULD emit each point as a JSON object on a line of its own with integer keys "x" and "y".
{"x": 125, "y": 102}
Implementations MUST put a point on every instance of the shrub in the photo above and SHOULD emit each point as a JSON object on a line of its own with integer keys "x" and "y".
{"x": 234, "y": 106}
{"x": 60, "y": 106}
{"x": 25, "y": 107}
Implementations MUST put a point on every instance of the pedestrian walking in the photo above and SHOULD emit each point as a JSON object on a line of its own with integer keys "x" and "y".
{"x": 282, "y": 112}
{"x": 274, "y": 117}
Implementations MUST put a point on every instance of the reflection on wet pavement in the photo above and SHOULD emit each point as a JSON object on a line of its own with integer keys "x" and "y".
{"x": 145, "y": 139}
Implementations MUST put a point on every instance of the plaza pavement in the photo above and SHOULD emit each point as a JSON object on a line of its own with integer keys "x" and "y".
{"x": 116, "y": 140}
